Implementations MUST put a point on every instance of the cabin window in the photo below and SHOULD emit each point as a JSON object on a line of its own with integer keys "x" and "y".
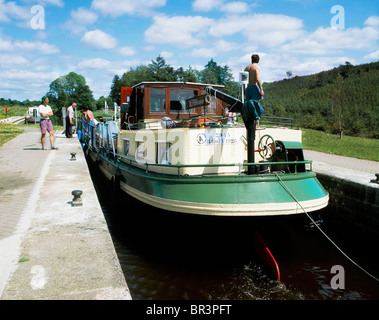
{"x": 163, "y": 154}
{"x": 158, "y": 100}
{"x": 178, "y": 99}
{"x": 126, "y": 147}
{"x": 212, "y": 107}
{"x": 141, "y": 150}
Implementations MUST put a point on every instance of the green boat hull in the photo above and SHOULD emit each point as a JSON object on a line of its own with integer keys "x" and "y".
{"x": 222, "y": 195}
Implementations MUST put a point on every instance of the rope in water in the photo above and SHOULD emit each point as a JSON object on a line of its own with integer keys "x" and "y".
{"x": 351, "y": 260}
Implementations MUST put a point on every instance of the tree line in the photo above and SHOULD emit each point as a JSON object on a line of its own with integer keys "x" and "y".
{"x": 159, "y": 70}
{"x": 73, "y": 88}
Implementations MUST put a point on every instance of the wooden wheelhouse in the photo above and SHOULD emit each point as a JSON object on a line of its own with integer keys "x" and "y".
{"x": 156, "y": 100}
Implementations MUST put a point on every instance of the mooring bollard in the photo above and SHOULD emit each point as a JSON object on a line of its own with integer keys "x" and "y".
{"x": 377, "y": 178}
{"x": 73, "y": 156}
{"x": 77, "y": 201}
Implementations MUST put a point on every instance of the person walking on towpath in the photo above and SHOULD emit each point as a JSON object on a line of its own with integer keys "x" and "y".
{"x": 69, "y": 120}
{"x": 254, "y": 91}
{"x": 45, "y": 123}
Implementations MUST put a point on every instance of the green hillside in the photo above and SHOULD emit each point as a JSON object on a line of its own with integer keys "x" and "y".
{"x": 345, "y": 97}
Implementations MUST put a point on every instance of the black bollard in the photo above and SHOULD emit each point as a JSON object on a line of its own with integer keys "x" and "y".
{"x": 77, "y": 201}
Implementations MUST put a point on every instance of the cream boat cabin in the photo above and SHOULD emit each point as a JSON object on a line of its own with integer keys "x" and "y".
{"x": 159, "y": 129}
{"x": 186, "y": 146}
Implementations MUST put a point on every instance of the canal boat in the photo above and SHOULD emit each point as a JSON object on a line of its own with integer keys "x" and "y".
{"x": 191, "y": 148}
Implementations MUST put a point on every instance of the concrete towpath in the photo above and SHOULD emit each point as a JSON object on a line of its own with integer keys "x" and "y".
{"x": 358, "y": 170}
{"x": 49, "y": 249}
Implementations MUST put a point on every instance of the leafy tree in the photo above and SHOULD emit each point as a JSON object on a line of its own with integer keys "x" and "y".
{"x": 100, "y": 103}
{"x": 215, "y": 74}
{"x": 129, "y": 79}
{"x": 61, "y": 102}
{"x": 158, "y": 70}
{"x": 115, "y": 93}
{"x": 233, "y": 88}
{"x": 137, "y": 75}
{"x": 68, "y": 89}
{"x": 162, "y": 71}
{"x": 190, "y": 75}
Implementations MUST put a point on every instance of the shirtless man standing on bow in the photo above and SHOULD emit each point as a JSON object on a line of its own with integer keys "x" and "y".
{"x": 254, "y": 90}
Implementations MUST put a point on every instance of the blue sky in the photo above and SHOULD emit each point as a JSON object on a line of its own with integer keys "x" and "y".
{"x": 101, "y": 38}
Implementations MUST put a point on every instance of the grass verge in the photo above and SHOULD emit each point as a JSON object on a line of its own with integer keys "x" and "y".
{"x": 353, "y": 147}
{"x": 9, "y": 132}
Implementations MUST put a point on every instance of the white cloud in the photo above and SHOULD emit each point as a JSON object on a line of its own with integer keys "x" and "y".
{"x": 206, "y": 5}
{"x": 220, "y": 46}
{"x": 98, "y": 40}
{"x": 372, "y": 21}
{"x": 226, "y": 46}
{"x": 80, "y": 18}
{"x": 41, "y": 47}
{"x": 235, "y": 7}
{"x": 183, "y": 31}
{"x": 203, "y": 53}
{"x": 58, "y": 3}
{"x": 40, "y": 35}
{"x": 167, "y": 54}
{"x": 261, "y": 30}
{"x": 127, "y": 51}
{"x": 22, "y": 84}
{"x": 12, "y": 10}
{"x": 28, "y": 75}
{"x": 116, "y": 8}
{"x": 84, "y": 16}
{"x": 149, "y": 48}
{"x": 5, "y": 45}
{"x": 28, "y": 47}
{"x": 373, "y": 56}
{"x": 10, "y": 60}
{"x": 310, "y": 65}
{"x": 330, "y": 40}
{"x": 96, "y": 63}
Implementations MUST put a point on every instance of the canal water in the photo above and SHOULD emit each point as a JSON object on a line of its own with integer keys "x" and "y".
{"x": 171, "y": 256}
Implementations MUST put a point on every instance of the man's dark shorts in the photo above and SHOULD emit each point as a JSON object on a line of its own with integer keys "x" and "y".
{"x": 253, "y": 93}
